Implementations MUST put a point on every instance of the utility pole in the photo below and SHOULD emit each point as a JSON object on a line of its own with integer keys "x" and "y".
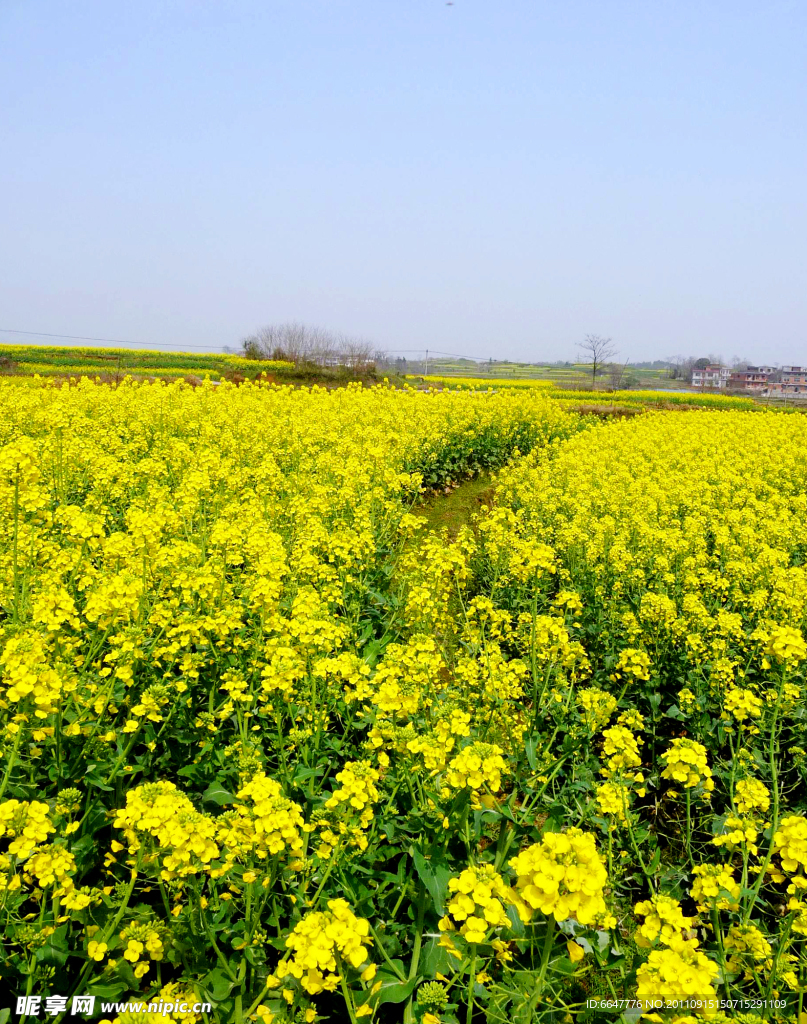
{"x": 427, "y": 364}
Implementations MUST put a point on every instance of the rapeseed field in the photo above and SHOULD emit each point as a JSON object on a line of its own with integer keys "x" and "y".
{"x": 269, "y": 744}
{"x": 634, "y": 396}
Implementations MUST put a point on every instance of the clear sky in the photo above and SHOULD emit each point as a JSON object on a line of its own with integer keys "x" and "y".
{"x": 492, "y": 177}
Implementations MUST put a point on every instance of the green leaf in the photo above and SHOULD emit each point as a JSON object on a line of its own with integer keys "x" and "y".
{"x": 516, "y": 924}
{"x": 55, "y": 949}
{"x": 217, "y": 794}
{"x": 83, "y": 846}
{"x": 393, "y": 990}
{"x": 218, "y": 984}
{"x": 435, "y": 959}
{"x": 303, "y": 774}
{"x": 110, "y": 991}
{"x": 372, "y": 651}
{"x": 94, "y": 779}
{"x": 434, "y": 874}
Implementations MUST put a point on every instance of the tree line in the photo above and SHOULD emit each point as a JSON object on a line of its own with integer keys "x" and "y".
{"x": 300, "y": 344}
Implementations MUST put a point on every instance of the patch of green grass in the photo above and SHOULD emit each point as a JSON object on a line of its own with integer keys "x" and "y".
{"x": 57, "y": 360}
{"x": 113, "y": 364}
{"x": 572, "y": 375}
{"x": 454, "y": 510}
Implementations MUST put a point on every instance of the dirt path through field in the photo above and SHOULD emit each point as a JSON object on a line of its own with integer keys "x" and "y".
{"x": 452, "y": 511}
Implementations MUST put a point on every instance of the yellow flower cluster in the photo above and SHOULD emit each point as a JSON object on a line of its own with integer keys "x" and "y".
{"x": 790, "y": 843}
{"x": 681, "y": 971}
{"x": 26, "y": 824}
{"x": 632, "y": 664}
{"x": 613, "y": 799}
{"x": 185, "y": 837}
{"x": 478, "y": 904}
{"x": 403, "y": 677}
{"x": 320, "y": 943}
{"x": 139, "y": 940}
{"x": 738, "y": 832}
{"x": 664, "y": 919}
{"x": 562, "y": 876}
{"x": 263, "y": 820}
{"x": 715, "y": 885}
{"x": 687, "y": 700}
{"x": 51, "y": 865}
{"x": 476, "y": 766}
{"x": 745, "y": 943}
{"x": 751, "y": 795}
{"x": 800, "y": 915}
{"x": 681, "y": 963}
{"x": 453, "y": 722}
{"x": 598, "y": 706}
{"x": 786, "y": 644}
{"x": 631, "y": 719}
{"x": 621, "y": 748}
{"x": 741, "y": 704}
{"x": 547, "y": 639}
{"x": 358, "y": 789}
{"x": 28, "y": 672}
{"x": 685, "y": 762}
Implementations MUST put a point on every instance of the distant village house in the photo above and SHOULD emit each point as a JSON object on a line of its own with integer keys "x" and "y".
{"x": 763, "y": 380}
{"x": 788, "y": 380}
{"x": 752, "y": 378}
{"x": 711, "y": 377}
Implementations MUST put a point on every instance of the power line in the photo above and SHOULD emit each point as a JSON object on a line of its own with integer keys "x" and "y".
{"x": 213, "y": 348}
{"x": 435, "y": 352}
{"x": 108, "y": 341}
{"x": 207, "y": 348}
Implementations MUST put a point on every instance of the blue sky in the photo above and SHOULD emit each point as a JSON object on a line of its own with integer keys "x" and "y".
{"x": 490, "y": 178}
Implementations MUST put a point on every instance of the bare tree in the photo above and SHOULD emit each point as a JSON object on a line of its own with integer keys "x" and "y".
{"x": 355, "y": 353}
{"x": 683, "y": 366}
{"x": 599, "y": 351}
{"x": 682, "y": 370}
{"x": 301, "y": 344}
{"x": 295, "y": 342}
{"x": 251, "y": 347}
{"x": 618, "y": 374}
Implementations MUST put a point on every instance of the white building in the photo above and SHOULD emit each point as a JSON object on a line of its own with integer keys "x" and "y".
{"x": 711, "y": 377}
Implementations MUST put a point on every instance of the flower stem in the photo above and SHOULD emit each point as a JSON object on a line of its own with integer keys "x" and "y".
{"x": 12, "y": 757}
{"x": 545, "y": 954}
{"x": 469, "y": 1012}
